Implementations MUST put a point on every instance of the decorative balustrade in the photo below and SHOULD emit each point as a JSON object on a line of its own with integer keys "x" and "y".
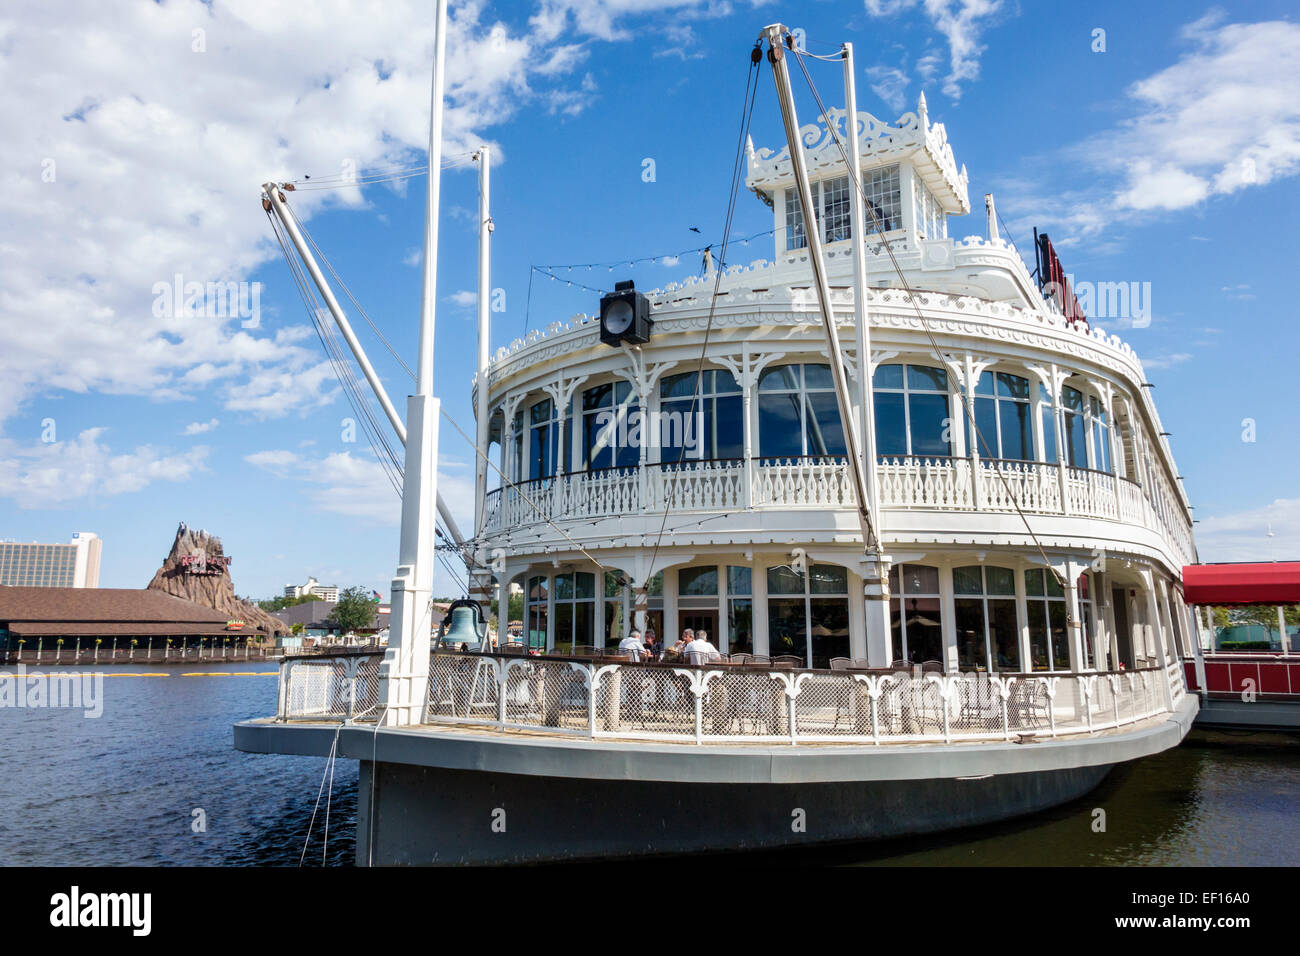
{"x": 804, "y": 483}
{"x": 906, "y": 483}
{"x": 702, "y": 486}
{"x": 727, "y": 703}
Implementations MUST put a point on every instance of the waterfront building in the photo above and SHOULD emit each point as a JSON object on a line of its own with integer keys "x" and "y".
{"x": 1049, "y": 538}
{"x": 36, "y": 565}
{"x": 326, "y": 592}
{"x": 32, "y": 618}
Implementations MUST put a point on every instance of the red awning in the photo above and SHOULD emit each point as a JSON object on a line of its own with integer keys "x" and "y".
{"x": 1277, "y": 583}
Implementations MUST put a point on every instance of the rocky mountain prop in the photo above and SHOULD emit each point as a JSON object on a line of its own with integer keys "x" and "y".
{"x": 198, "y": 570}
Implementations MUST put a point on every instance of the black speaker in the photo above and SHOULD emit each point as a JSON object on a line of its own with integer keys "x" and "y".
{"x": 624, "y": 315}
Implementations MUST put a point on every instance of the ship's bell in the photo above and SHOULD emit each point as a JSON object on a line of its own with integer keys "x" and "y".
{"x": 464, "y": 629}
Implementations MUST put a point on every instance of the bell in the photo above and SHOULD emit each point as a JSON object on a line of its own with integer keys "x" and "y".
{"x": 464, "y": 629}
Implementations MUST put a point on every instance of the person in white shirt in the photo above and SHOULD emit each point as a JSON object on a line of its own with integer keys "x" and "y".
{"x": 632, "y": 646}
{"x": 700, "y": 651}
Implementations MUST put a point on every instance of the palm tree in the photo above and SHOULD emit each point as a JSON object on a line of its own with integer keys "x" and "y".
{"x": 59, "y": 651}
{"x": 98, "y": 641}
{"x": 131, "y": 655}
{"x": 168, "y": 649}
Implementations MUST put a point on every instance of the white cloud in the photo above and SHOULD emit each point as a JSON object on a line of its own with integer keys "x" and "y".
{"x": 358, "y": 486}
{"x": 147, "y": 155}
{"x": 1270, "y": 533}
{"x": 1226, "y": 116}
{"x": 83, "y": 468}
{"x": 198, "y": 428}
{"x": 890, "y": 84}
{"x": 1223, "y": 118}
{"x": 961, "y": 22}
{"x": 464, "y": 298}
{"x": 1166, "y": 187}
{"x": 1167, "y": 360}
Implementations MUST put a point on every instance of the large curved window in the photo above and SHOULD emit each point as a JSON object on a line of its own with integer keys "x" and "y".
{"x": 1004, "y": 418}
{"x": 575, "y": 609}
{"x": 608, "y": 413}
{"x": 808, "y": 615}
{"x": 985, "y": 604}
{"x": 1049, "y": 638}
{"x": 703, "y": 422}
{"x": 1101, "y": 436}
{"x": 915, "y": 613}
{"x": 911, "y": 410}
{"x": 535, "y": 614}
{"x": 542, "y": 439}
{"x": 1076, "y": 437}
{"x": 798, "y": 414}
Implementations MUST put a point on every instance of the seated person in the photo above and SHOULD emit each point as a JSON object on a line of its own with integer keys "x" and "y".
{"x": 700, "y": 651}
{"x": 632, "y": 646}
{"x": 678, "y": 651}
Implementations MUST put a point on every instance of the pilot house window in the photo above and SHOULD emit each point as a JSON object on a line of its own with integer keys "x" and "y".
{"x": 831, "y": 201}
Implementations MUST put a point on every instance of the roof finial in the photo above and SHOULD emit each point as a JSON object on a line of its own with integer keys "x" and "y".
{"x": 922, "y": 111}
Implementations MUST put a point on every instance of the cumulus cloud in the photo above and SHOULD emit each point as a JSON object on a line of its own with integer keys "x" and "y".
{"x": 358, "y": 486}
{"x": 136, "y": 137}
{"x": 51, "y": 475}
{"x": 960, "y": 22}
{"x": 1224, "y": 117}
{"x": 198, "y": 428}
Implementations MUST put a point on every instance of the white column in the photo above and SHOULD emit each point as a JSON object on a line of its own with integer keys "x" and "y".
{"x": 857, "y": 619}
{"x": 949, "y": 618}
{"x": 1022, "y": 616}
{"x": 759, "y": 579}
{"x": 875, "y": 593}
{"x": 723, "y": 641}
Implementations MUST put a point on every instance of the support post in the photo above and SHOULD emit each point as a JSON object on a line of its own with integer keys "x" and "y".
{"x": 404, "y": 672}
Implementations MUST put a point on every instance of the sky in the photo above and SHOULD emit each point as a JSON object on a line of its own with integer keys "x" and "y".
{"x": 1156, "y": 143}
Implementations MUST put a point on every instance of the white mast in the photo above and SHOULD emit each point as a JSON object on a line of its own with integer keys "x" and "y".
{"x": 798, "y": 165}
{"x": 480, "y": 577}
{"x": 875, "y": 578}
{"x": 274, "y": 200}
{"x": 404, "y": 673}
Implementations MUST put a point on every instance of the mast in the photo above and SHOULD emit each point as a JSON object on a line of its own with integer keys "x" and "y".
{"x": 875, "y": 577}
{"x": 875, "y": 583}
{"x": 480, "y": 577}
{"x": 404, "y": 673}
{"x": 781, "y": 74}
{"x": 273, "y": 197}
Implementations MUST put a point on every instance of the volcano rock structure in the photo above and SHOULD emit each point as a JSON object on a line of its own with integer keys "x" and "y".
{"x": 198, "y": 570}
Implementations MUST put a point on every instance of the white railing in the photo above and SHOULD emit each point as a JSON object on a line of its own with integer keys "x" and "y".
{"x": 729, "y": 703}
{"x": 804, "y": 483}
{"x": 906, "y": 483}
{"x": 329, "y": 688}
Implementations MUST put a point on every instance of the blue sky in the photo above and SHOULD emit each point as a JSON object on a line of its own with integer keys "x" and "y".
{"x": 160, "y": 121}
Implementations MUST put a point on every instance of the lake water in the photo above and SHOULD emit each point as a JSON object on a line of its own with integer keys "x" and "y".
{"x": 122, "y": 789}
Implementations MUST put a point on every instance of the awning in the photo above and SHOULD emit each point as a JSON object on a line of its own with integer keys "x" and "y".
{"x": 1275, "y": 583}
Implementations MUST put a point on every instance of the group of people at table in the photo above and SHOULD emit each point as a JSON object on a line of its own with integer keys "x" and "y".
{"x": 692, "y": 648}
